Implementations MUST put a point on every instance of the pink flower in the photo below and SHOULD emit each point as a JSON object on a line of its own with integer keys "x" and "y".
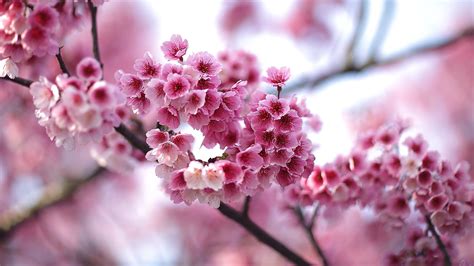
{"x": 436, "y": 203}
{"x": 39, "y": 42}
{"x": 154, "y": 92}
{"x": 100, "y": 94}
{"x": 169, "y": 117}
{"x": 176, "y": 86}
{"x": 8, "y": 68}
{"x": 289, "y": 122}
{"x": 45, "y": 95}
{"x": 213, "y": 176}
{"x": 131, "y": 85}
{"x": 276, "y": 107}
{"x": 286, "y": 141}
{"x": 260, "y": 120}
{"x": 169, "y": 69}
{"x": 44, "y": 17}
{"x": 281, "y": 157}
{"x": 398, "y": 207}
{"x": 175, "y": 49}
{"x": 296, "y": 166}
{"x": 277, "y": 77}
{"x": 250, "y": 157}
{"x": 183, "y": 141}
{"x": 265, "y": 138}
{"x": 89, "y": 69}
{"x": 88, "y": 118}
{"x": 431, "y": 161}
{"x": 167, "y": 153}
{"x": 424, "y": 179}
{"x": 233, "y": 172}
{"x": 139, "y": 103}
{"x": 417, "y": 145}
{"x": 193, "y": 175}
{"x": 146, "y": 67}
{"x": 284, "y": 178}
{"x": 195, "y": 100}
{"x": 205, "y": 63}
{"x": 155, "y": 137}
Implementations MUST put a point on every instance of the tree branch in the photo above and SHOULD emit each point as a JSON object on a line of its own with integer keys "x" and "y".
{"x": 359, "y": 28}
{"x": 19, "y": 81}
{"x": 132, "y": 139}
{"x": 94, "y": 32}
{"x": 62, "y": 65}
{"x": 382, "y": 29}
{"x": 246, "y": 207}
{"x": 261, "y": 235}
{"x": 439, "y": 242}
{"x": 309, "y": 232}
{"x": 53, "y": 195}
{"x": 311, "y": 82}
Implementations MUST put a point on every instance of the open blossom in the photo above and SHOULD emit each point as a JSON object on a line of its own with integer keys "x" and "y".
{"x": 75, "y": 108}
{"x": 277, "y": 77}
{"x": 175, "y": 49}
{"x": 8, "y": 68}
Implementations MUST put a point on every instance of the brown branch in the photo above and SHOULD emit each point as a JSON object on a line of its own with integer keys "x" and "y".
{"x": 311, "y": 82}
{"x": 358, "y": 32}
{"x": 132, "y": 139}
{"x": 246, "y": 207}
{"x": 94, "y": 32}
{"x": 439, "y": 242}
{"x": 261, "y": 235}
{"x": 54, "y": 194}
{"x": 382, "y": 29}
{"x": 308, "y": 227}
{"x": 61, "y": 63}
{"x": 19, "y": 81}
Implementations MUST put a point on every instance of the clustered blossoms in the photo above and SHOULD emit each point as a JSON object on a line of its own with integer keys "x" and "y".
{"x": 261, "y": 134}
{"x": 419, "y": 249}
{"x": 397, "y": 180}
{"x": 33, "y": 29}
{"x": 79, "y": 107}
{"x": 115, "y": 152}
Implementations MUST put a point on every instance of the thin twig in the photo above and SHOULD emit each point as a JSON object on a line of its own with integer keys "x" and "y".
{"x": 439, "y": 242}
{"x": 309, "y": 232}
{"x": 382, "y": 29}
{"x": 134, "y": 140}
{"x": 19, "y": 81}
{"x": 246, "y": 207}
{"x": 261, "y": 235}
{"x": 311, "y": 82}
{"x": 62, "y": 65}
{"x": 358, "y": 33}
{"x": 94, "y": 32}
{"x": 53, "y": 195}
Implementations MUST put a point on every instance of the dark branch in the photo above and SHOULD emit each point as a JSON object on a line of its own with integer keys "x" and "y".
{"x": 309, "y": 232}
{"x": 62, "y": 65}
{"x": 19, "y": 81}
{"x": 261, "y": 235}
{"x": 382, "y": 29}
{"x": 55, "y": 194}
{"x": 311, "y": 82}
{"x": 439, "y": 242}
{"x": 134, "y": 140}
{"x": 358, "y": 32}
{"x": 246, "y": 207}
{"x": 94, "y": 31}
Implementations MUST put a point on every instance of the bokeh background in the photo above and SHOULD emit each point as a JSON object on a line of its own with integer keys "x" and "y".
{"x": 357, "y": 63}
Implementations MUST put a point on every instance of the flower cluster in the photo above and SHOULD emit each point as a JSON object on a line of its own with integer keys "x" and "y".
{"x": 79, "y": 107}
{"x": 188, "y": 91}
{"x": 115, "y": 152}
{"x": 396, "y": 180}
{"x": 260, "y": 133}
{"x": 239, "y": 65}
{"x": 34, "y": 30}
{"x": 419, "y": 249}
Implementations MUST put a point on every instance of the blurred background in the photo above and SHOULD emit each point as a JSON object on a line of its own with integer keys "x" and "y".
{"x": 358, "y": 64}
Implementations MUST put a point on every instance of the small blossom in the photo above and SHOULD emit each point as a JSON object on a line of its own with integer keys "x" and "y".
{"x": 146, "y": 67}
{"x": 193, "y": 175}
{"x": 8, "y": 68}
{"x": 277, "y": 77}
{"x": 205, "y": 63}
{"x": 175, "y": 49}
{"x": 89, "y": 69}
